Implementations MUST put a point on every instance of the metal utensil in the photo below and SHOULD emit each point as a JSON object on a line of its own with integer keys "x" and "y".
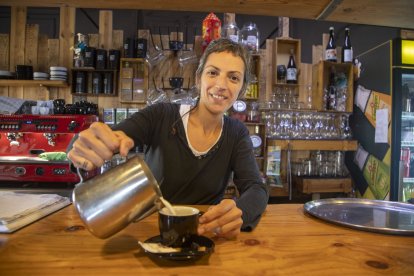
{"x": 108, "y": 202}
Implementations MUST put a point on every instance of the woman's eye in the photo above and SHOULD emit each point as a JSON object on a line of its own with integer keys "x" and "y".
{"x": 212, "y": 73}
{"x": 234, "y": 78}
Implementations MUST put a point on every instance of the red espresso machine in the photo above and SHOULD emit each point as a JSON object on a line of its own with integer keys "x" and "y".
{"x": 24, "y": 137}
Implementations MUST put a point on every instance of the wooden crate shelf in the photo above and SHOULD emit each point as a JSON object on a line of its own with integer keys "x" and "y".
{"x": 343, "y": 145}
{"x": 27, "y": 83}
{"x": 323, "y": 185}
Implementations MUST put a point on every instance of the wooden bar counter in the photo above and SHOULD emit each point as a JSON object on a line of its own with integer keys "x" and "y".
{"x": 286, "y": 242}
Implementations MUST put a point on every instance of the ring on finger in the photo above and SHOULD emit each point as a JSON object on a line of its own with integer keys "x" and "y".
{"x": 217, "y": 230}
{"x": 85, "y": 164}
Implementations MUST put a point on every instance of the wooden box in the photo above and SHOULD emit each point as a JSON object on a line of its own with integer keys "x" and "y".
{"x": 134, "y": 80}
{"x": 323, "y": 185}
{"x": 320, "y": 81}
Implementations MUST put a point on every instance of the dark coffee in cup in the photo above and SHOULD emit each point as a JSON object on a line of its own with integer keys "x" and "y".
{"x": 177, "y": 229}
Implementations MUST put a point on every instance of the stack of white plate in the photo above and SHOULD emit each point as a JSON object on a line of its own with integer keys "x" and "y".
{"x": 6, "y": 75}
{"x": 58, "y": 73}
{"x": 40, "y": 76}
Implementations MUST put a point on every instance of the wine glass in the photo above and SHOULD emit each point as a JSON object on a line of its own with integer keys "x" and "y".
{"x": 345, "y": 129}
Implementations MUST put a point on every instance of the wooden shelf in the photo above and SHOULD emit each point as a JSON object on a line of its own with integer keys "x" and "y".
{"x": 49, "y": 83}
{"x": 277, "y": 191}
{"x": 343, "y": 145}
{"x": 92, "y": 69}
{"x": 323, "y": 185}
{"x": 286, "y": 84}
{"x": 94, "y": 95}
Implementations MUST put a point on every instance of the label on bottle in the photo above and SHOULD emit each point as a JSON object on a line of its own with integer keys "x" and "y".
{"x": 348, "y": 55}
{"x": 291, "y": 74}
{"x": 330, "y": 54}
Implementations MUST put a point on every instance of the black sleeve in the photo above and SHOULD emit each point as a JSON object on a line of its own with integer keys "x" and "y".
{"x": 254, "y": 194}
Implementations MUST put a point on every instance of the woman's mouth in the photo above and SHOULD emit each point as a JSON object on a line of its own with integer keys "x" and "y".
{"x": 218, "y": 97}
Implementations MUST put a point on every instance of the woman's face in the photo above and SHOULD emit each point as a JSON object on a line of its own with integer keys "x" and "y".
{"x": 221, "y": 81}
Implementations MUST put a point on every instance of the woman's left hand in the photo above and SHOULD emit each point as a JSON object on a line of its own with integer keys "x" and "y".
{"x": 224, "y": 220}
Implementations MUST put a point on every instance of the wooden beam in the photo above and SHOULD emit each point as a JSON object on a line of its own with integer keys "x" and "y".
{"x": 4, "y": 51}
{"x": 42, "y": 53}
{"x": 4, "y": 60}
{"x": 17, "y": 43}
{"x": 31, "y": 45}
{"x": 66, "y": 41}
{"x": 17, "y": 36}
{"x": 105, "y": 29}
{"x": 383, "y": 13}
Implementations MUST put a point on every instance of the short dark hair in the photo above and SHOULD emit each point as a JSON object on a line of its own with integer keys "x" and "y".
{"x": 227, "y": 45}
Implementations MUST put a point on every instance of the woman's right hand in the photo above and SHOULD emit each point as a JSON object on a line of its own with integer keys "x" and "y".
{"x": 97, "y": 144}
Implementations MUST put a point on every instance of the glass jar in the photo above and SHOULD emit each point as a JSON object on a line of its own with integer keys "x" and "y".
{"x": 249, "y": 37}
{"x": 253, "y": 113}
{"x": 231, "y": 31}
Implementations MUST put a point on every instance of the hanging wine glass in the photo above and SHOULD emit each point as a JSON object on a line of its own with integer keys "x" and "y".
{"x": 346, "y": 132}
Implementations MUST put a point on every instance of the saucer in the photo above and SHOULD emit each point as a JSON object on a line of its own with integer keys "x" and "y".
{"x": 203, "y": 246}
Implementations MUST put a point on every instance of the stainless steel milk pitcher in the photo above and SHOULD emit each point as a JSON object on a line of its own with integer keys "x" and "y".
{"x": 108, "y": 202}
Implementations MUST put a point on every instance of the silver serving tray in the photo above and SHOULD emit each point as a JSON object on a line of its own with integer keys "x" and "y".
{"x": 379, "y": 216}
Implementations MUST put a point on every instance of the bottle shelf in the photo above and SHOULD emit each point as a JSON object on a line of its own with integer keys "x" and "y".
{"x": 407, "y": 115}
{"x": 408, "y": 180}
{"x": 407, "y": 143}
{"x": 93, "y": 95}
{"x": 48, "y": 83}
{"x": 342, "y": 145}
{"x": 278, "y": 191}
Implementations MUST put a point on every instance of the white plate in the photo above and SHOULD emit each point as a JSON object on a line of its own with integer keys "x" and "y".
{"x": 58, "y": 68}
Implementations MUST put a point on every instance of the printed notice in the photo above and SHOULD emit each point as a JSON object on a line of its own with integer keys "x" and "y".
{"x": 381, "y": 126}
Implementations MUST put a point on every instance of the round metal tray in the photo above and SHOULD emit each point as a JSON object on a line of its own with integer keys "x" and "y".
{"x": 379, "y": 216}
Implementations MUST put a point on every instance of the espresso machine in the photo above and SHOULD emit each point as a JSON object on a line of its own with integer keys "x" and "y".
{"x": 23, "y": 137}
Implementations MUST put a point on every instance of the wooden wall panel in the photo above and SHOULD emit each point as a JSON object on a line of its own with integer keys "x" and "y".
{"x": 105, "y": 29}
{"x": 42, "y": 54}
{"x": 30, "y": 58}
{"x": 105, "y": 42}
{"x": 66, "y": 41}
{"x": 17, "y": 43}
{"x": 94, "y": 40}
{"x": 4, "y": 51}
{"x": 31, "y": 45}
{"x": 117, "y": 39}
{"x": 4, "y": 60}
{"x": 53, "y": 52}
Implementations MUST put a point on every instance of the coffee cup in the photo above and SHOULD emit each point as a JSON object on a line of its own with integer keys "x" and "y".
{"x": 177, "y": 229}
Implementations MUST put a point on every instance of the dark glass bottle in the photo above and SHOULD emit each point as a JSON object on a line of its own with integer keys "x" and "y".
{"x": 347, "y": 52}
{"x": 331, "y": 102}
{"x": 291, "y": 71}
{"x": 330, "y": 51}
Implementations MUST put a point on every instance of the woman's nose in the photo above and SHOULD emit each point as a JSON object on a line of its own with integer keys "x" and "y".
{"x": 221, "y": 83}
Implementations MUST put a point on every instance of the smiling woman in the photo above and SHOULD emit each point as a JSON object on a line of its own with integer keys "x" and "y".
{"x": 205, "y": 148}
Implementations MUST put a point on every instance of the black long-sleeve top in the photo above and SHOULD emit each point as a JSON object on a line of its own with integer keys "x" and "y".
{"x": 190, "y": 179}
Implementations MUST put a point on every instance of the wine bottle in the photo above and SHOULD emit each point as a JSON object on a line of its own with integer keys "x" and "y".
{"x": 330, "y": 51}
{"x": 347, "y": 52}
{"x": 291, "y": 74}
{"x": 331, "y": 91}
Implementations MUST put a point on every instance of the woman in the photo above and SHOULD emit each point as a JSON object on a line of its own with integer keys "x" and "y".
{"x": 193, "y": 150}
